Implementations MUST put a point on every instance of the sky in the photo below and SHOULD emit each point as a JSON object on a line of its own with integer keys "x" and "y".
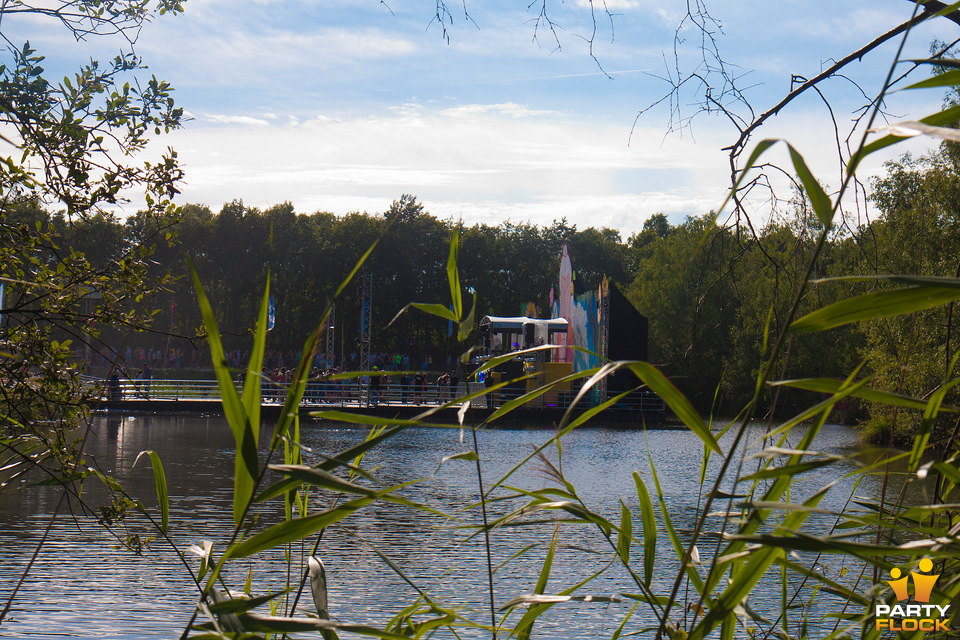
{"x": 344, "y": 105}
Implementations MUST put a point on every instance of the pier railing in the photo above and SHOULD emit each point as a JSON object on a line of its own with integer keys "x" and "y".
{"x": 349, "y": 393}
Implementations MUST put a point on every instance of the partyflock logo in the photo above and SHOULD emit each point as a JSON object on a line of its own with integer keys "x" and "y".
{"x": 918, "y": 615}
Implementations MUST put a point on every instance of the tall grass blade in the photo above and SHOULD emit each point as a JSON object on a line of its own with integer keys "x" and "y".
{"x": 322, "y": 479}
{"x": 649, "y": 529}
{"x": 252, "y": 381}
{"x": 946, "y": 79}
{"x": 819, "y": 199}
{"x": 881, "y": 304}
{"x": 466, "y": 325}
{"x": 293, "y": 530}
{"x": 677, "y": 402}
{"x": 160, "y": 480}
{"x": 832, "y": 385}
{"x": 344, "y": 458}
{"x": 246, "y": 465}
{"x": 525, "y": 627}
{"x": 941, "y": 118}
{"x": 750, "y": 572}
{"x": 625, "y": 535}
{"x": 678, "y": 546}
{"x": 242, "y": 605}
{"x": 453, "y": 275}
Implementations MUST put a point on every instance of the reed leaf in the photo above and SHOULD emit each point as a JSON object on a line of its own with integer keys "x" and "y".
{"x": 625, "y": 535}
{"x": 293, "y": 530}
{"x": 245, "y": 432}
{"x": 453, "y": 275}
{"x": 242, "y": 605}
{"x": 341, "y": 460}
{"x": 940, "y": 118}
{"x": 751, "y": 571}
{"x": 251, "y": 395}
{"x": 832, "y": 385}
{"x": 277, "y": 624}
{"x": 879, "y": 304}
{"x": 160, "y": 480}
{"x": 819, "y": 199}
{"x": 831, "y": 586}
{"x": 465, "y": 326}
{"x": 678, "y": 547}
{"x": 322, "y": 479}
{"x": 790, "y": 470}
{"x": 649, "y": 529}
{"x": 677, "y": 402}
{"x": 525, "y": 626}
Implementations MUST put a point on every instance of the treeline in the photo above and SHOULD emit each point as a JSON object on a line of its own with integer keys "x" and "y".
{"x": 716, "y": 296}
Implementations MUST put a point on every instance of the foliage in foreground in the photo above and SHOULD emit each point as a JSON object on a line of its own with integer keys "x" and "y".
{"x": 73, "y": 144}
{"x": 766, "y": 517}
{"x": 766, "y": 528}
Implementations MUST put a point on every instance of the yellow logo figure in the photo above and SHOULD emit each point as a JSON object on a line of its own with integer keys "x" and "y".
{"x": 922, "y": 584}
{"x": 898, "y": 584}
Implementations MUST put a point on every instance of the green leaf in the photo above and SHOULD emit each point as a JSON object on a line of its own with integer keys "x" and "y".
{"x": 275, "y": 624}
{"x": 946, "y": 79}
{"x": 466, "y": 325}
{"x": 789, "y": 470}
{"x": 322, "y": 479}
{"x": 881, "y": 304}
{"x": 947, "y": 9}
{"x": 160, "y": 480}
{"x": 525, "y": 626}
{"x": 251, "y": 397}
{"x": 247, "y": 465}
{"x": 293, "y": 530}
{"x": 453, "y": 276}
{"x": 677, "y": 402}
{"x": 433, "y": 309}
{"x": 819, "y": 199}
{"x": 752, "y": 571}
{"x": 832, "y": 386}
{"x": 465, "y": 455}
{"x": 649, "y": 529}
{"x": 298, "y": 386}
{"x": 344, "y": 458}
{"x": 678, "y": 546}
{"x": 242, "y": 605}
{"x": 625, "y": 535}
{"x": 941, "y": 118}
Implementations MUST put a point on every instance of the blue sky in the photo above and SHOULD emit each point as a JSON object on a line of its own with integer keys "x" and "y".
{"x": 344, "y": 105}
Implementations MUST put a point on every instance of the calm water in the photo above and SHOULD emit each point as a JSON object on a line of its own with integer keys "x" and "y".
{"x": 83, "y": 586}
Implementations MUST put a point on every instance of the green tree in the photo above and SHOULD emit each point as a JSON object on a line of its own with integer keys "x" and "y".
{"x": 72, "y": 277}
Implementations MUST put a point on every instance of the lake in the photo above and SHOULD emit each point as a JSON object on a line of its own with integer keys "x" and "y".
{"x": 82, "y": 585}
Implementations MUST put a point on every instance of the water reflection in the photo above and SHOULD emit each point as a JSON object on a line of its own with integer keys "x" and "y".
{"x": 83, "y": 586}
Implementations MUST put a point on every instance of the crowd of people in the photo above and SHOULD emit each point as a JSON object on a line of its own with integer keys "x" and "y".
{"x": 394, "y": 377}
{"x": 376, "y": 387}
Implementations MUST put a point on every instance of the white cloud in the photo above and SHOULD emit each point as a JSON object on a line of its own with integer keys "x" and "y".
{"x": 609, "y": 5}
{"x": 510, "y": 109}
{"x": 490, "y": 162}
{"x": 241, "y": 120}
